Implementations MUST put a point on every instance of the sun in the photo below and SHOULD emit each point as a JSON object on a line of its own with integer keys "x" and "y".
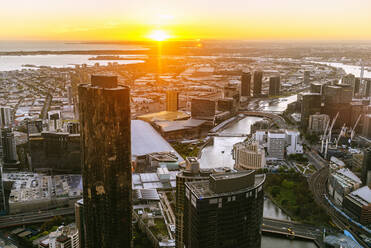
{"x": 159, "y": 35}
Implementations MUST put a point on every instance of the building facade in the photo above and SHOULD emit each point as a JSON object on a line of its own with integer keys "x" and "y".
{"x": 293, "y": 145}
{"x": 276, "y": 142}
{"x": 246, "y": 84}
{"x": 311, "y": 104}
{"x": 306, "y": 77}
{"x": 274, "y": 86}
{"x": 366, "y": 167}
{"x": 8, "y": 148}
{"x": 172, "y": 100}
{"x": 203, "y": 108}
{"x": 358, "y": 204}
{"x": 6, "y": 117}
{"x": 317, "y": 123}
{"x": 248, "y": 155}
{"x": 224, "y": 211}
{"x": 104, "y": 109}
{"x": 258, "y": 80}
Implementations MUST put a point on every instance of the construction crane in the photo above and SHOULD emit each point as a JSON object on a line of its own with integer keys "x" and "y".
{"x": 328, "y": 137}
{"x": 353, "y": 130}
{"x": 324, "y": 135}
{"x": 342, "y": 133}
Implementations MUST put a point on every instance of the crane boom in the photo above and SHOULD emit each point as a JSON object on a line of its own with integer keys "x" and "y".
{"x": 332, "y": 125}
{"x": 352, "y": 133}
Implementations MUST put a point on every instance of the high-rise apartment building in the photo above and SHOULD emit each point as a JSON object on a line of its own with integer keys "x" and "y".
{"x": 274, "y": 86}
{"x": 3, "y": 205}
{"x": 306, "y": 77}
{"x": 366, "y": 167}
{"x": 104, "y": 108}
{"x": 357, "y": 84}
{"x": 248, "y": 155}
{"x": 6, "y": 117}
{"x": 172, "y": 100}
{"x": 258, "y": 80}
{"x": 311, "y": 104}
{"x": 367, "y": 88}
{"x": 366, "y": 131}
{"x": 8, "y": 148}
{"x": 79, "y": 220}
{"x": 276, "y": 142}
{"x": 246, "y": 84}
{"x": 190, "y": 174}
{"x": 224, "y": 211}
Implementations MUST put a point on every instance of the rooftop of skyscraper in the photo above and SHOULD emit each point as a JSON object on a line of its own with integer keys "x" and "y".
{"x": 205, "y": 189}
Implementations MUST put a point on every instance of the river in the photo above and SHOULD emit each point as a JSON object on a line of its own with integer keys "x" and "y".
{"x": 219, "y": 154}
{"x": 354, "y": 69}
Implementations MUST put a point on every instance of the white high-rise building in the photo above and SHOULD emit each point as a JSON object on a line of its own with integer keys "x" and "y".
{"x": 292, "y": 142}
{"x": 260, "y": 136}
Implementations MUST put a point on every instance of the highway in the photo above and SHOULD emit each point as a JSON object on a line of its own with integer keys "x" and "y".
{"x": 32, "y": 217}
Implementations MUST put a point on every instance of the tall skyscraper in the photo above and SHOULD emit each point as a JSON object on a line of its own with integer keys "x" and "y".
{"x": 172, "y": 100}
{"x": 306, "y": 77}
{"x": 3, "y": 209}
{"x": 190, "y": 174}
{"x": 258, "y": 78}
{"x": 104, "y": 108}
{"x": 246, "y": 84}
{"x": 367, "y": 87}
{"x": 224, "y": 211}
{"x": 366, "y": 130}
{"x": 8, "y": 147}
{"x": 357, "y": 83}
{"x": 79, "y": 220}
{"x": 311, "y": 104}
{"x": 6, "y": 117}
{"x": 274, "y": 86}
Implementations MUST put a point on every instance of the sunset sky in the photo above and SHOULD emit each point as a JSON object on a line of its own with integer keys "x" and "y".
{"x": 185, "y": 19}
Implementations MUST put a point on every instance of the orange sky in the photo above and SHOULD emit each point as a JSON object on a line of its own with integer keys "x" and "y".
{"x": 186, "y": 19}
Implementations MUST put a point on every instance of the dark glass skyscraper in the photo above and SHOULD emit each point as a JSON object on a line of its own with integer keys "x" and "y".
{"x": 104, "y": 108}
{"x": 246, "y": 84}
{"x": 366, "y": 167}
{"x": 224, "y": 211}
{"x": 258, "y": 78}
{"x": 311, "y": 104}
{"x": 274, "y": 86}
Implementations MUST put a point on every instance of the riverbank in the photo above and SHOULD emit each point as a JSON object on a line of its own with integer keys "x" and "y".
{"x": 290, "y": 192}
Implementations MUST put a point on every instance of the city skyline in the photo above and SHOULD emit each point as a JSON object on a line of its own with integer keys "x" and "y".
{"x": 139, "y": 20}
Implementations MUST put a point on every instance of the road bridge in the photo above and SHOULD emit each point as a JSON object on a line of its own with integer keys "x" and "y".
{"x": 293, "y": 230}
